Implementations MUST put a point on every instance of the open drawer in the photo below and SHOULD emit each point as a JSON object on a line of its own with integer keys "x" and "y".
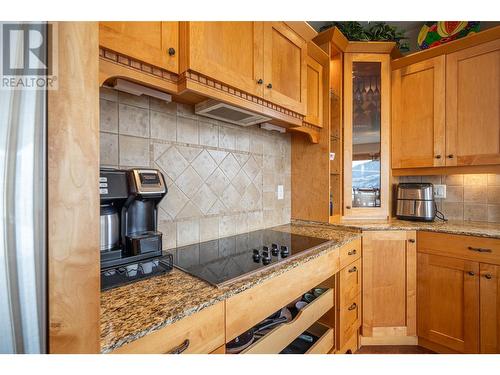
{"x": 277, "y": 339}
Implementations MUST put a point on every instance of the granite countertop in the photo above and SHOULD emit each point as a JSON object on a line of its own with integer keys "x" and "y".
{"x": 469, "y": 228}
{"x": 135, "y": 310}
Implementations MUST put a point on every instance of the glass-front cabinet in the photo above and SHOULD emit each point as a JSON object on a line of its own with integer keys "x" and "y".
{"x": 366, "y": 136}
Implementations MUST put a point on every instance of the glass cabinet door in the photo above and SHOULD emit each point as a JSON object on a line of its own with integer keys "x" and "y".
{"x": 366, "y": 136}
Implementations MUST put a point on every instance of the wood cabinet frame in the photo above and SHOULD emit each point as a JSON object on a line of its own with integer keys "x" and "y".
{"x": 381, "y": 212}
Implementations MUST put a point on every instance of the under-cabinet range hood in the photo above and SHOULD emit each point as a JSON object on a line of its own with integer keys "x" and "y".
{"x": 228, "y": 113}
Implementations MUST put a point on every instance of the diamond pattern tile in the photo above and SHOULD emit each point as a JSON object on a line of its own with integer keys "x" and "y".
{"x": 231, "y": 198}
{"x": 189, "y": 153}
{"x": 204, "y": 198}
{"x": 230, "y": 166}
{"x": 174, "y": 201}
{"x": 218, "y": 182}
{"x": 241, "y": 158}
{"x": 189, "y": 182}
{"x": 251, "y": 168}
{"x": 204, "y": 164}
{"x": 172, "y": 163}
{"x": 217, "y": 155}
{"x": 241, "y": 181}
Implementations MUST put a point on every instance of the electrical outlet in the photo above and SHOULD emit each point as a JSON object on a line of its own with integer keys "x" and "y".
{"x": 440, "y": 191}
{"x": 281, "y": 193}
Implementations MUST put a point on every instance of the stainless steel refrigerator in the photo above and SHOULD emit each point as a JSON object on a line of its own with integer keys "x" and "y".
{"x": 23, "y": 250}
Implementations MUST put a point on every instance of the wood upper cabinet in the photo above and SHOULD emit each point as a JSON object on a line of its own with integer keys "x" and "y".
{"x": 448, "y": 302}
{"x": 230, "y": 52}
{"x": 389, "y": 287}
{"x": 473, "y": 105}
{"x": 317, "y": 85}
{"x": 156, "y": 43}
{"x": 490, "y": 308}
{"x": 418, "y": 114}
{"x": 285, "y": 69}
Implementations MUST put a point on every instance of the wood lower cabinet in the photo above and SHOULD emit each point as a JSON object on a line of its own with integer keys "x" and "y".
{"x": 418, "y": 114}
{"x": 472, "y": 105}
{"x": 489, "y": 286}
{"x": 230, "y": 52}
{"x": 285, "y": 69}
{"x": 156, "y": 43}
{"x": 389, "y": 288}
{"x": 448, "y": 302}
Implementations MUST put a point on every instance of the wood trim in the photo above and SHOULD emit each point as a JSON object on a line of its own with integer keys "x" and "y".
{"x": 435, "y": 347}
{"x": 303, "y": 29}
{"x": 456, "y": 45}
{"x": 411, "y": 283}
{"x": 388, "y": 340}
{"x": 472, "y": 169}
{"x": 312, "y": 132}
{"x": 73, "y": 219}
{"x": 370, "y": 47}
{"x": 334, "y": 36}
{"x": 382, "y": 212}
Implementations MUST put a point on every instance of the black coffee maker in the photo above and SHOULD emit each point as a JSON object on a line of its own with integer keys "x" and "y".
{"x": 132, "y": 196}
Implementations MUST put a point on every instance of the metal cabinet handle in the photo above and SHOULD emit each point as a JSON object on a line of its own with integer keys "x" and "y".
{"x": 438, "y": 156}
{"x": 352, "y": 307}
{"x": 471, "y": 273}
{"x": 411, "y": 240}
{"x": 179, "y": 349}
{"x": 353, "y": 269}
{"x": 269, "y": 86}
{"x": 488, "y": 276}
{"x": 260, "y": 81}
{"x": 479, "y": 249}
{"x": 352, "y": 252}
{"x": 171, "y": 51}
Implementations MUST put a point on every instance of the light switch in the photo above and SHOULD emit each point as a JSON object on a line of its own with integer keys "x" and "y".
{"x": 281, "y": 193}
{"x": 439, "y": 191}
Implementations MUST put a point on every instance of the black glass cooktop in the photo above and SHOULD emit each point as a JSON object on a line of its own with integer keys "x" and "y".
{"x": 226, "y": 259}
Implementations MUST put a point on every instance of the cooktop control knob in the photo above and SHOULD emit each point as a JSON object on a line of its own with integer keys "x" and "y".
{"x": 266, "y": 260}
{"x": 274, "y": 249}
{"x": 255, "y": 251}
{"x": 284, "y": 251}
{"x": 265, "y": 248}
{"x": 256, "y": 257}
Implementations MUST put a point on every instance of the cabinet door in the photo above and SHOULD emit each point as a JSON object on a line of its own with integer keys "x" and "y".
{"x": 418, "y": 114}
{"x": 314, "y": 92}
{"x": 230, "y": 52}
{"x": 490, "y": 308}
{"x": 472, "y": 105}
{"x": 448, "y": 302}
{"x": 389, "y": 285}
{"x": 285, "y": 67}
{"x": 155, "y": 43}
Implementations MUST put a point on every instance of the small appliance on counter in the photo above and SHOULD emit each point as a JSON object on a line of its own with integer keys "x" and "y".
{"x": 130, "y": 243}
{"x": 415, "y": 201}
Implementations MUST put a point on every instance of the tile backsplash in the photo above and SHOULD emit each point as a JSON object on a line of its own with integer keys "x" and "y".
{"x": 221, "y": 178}
{"x": 469, "y": 197}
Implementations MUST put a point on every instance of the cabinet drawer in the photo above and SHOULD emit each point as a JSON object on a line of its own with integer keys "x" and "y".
{"x": 350, "y": 252}
{"x": 479, "y": 249}
{"x": 350, "y": 282}
{"x": 276, "y": 340}
{"x": 250, "y": 307}
{"x": 326, "y": 339}
{"x": 200, "y": 333}
{"x": 350, "y": 319}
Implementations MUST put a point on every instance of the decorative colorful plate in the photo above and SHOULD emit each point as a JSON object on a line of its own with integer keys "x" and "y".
{"x": 434, "y": 34}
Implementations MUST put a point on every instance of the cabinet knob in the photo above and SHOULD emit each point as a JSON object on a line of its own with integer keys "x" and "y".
{"x": 171, "y": 51}
{"x": 269, "y": 86}
{"x": 411, "y": 240}
{"x": 488, "y": 276}
{"x": 260, "y": 81}
{"x": 450, "y": 156}
{"x": 352, "y": 252}
{"x": 353, "y": 269}
{"x": 348, "y": 207}
{"x": 438, "y": 156}
{"x": 471, "y": 273}
{"x": 352, "y": 307}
